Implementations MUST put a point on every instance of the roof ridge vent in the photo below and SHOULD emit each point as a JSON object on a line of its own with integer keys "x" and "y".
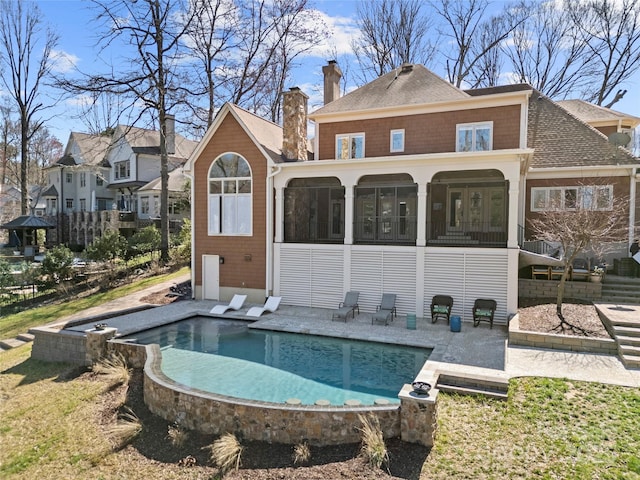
{"x": 407, "y": 67}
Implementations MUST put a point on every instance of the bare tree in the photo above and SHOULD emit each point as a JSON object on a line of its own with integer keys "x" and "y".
{"x": 611, "y": 32}
{"x": 546, "y": 50}
{"x": 9, "y": 139}
{"x": 463, "y": 22}
{"x": 589, "y": 220}
{"x": 25, "y": 54}
{"x": 392, "y": 32}
{"x": 152, "y": 84}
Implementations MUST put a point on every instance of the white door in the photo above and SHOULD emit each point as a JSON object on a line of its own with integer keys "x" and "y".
{"x": 211, "y": 277}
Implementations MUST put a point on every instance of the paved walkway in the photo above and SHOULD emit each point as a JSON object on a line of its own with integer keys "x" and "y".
{"x": 478, "y": 350}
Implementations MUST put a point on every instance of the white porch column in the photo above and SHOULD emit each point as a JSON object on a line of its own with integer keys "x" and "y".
{"x": 279, "y": 221}
{"x": 421, "y": 215}
{"x": 512, "y": 215}
{"x": 348, "y": 213}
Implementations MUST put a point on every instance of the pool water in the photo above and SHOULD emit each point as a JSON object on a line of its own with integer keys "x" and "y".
{"x": 227, "y": 358}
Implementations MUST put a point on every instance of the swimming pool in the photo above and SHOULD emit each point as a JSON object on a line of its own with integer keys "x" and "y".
{"x": 228, "y": 358}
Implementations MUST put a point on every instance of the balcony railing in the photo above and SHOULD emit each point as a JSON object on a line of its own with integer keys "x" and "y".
{"x": 480, "y": 234}
{"x": 385, "y": 230}
{"x": 313, "y": 232}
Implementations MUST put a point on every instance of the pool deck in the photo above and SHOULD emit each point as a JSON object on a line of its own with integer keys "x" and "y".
{"x": 479, "y": 350}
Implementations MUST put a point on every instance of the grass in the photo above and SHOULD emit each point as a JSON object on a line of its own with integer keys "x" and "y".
{"x": 12, "y": 325}
{"x": 114, "y": 369}
{"x": 226, "y": 452}
{"x": 548, "y": 428}
{"x": 126, "y": 429}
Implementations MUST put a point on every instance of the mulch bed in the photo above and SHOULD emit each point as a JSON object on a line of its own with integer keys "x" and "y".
{"x": 579, "y": 319}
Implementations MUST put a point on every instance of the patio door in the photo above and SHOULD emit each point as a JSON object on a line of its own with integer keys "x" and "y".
{"x": 476, "y": 209}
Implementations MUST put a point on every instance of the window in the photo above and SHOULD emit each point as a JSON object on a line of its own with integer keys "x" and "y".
{"x": 99, "y": 181}
{"x": 592, "y": 197}
{"x": 69, "y": 203}
{"x": 397, "y": 141}
{"x": 350, "y": 146}
{"x": 83, "y": 205}
{"x": 69, "y": 177}
{"x": 156, "y": 206}
{"x": 230, "y": 210}
{"x": 474, "y": 137}
{"x": 144, "y": 205}
{"x": 122, "y": 169}
{"x": 83, "y": 179}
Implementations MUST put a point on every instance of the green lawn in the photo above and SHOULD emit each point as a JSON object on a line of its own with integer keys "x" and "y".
{"x": 21, "y": 322}
{"x": 548, "y": 429}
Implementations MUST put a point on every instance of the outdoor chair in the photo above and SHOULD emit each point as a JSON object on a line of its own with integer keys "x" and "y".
{"x": 483, "y": 311}
{"x": 580, "y": 270}
{"x": 441, "y": 306}
{"x": 540, "y": 271}
{"x": 235, "y": 304}
{"x": 349, "y": 306}
{"x": 386, "y": 310}
{"x": 556, "y": 273}
{"x": 271, "y": 305}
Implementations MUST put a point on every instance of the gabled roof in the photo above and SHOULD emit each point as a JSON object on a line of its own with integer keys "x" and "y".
{"x": 410, "y": 85}
{"x": 266, "y": 135}
{"x": 27, "y": 222}
{"x": 93, "y": 148}
{"x": 145, "y": 141}
{"x": 560, "y": 139}
{"x": 591, "y": 113}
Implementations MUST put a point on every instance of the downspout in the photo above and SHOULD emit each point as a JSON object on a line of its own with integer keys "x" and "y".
{"x": 269, "y": 239}
{"x": 634, "y": 177}
{"x": 193, "y": 250}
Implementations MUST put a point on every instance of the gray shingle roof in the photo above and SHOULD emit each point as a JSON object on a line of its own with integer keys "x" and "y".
{"x": 589, "y": 112}
{"x": 560, "y": 139}
{"x": 397, "y": 88}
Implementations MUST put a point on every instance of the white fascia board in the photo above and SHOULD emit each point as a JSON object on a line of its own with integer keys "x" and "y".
{"x": 470, "y": 103}
{"x": 573, "y": 172}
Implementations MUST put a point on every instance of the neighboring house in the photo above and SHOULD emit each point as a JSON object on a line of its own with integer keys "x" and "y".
{"x": 94, "y": 186}
{"x": 414, "y": 187}
{"x": 148, "y": 197}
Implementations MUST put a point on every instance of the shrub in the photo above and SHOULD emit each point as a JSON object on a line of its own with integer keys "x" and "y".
{"x": 126, "y": 429}
{"x": 177, "y": 434}
{"x": 226, "y": 452}
{"x": 58, "y": 263}
{"x": 108, "y": 247}
{"x": 373, "y": 448}
{"x": 114, "y": 369}
{"x": 143, "y": 241}
{"x": 301, "y": 454}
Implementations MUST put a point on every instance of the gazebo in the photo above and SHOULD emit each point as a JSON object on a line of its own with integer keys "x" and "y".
{"x": 25, "y": 228}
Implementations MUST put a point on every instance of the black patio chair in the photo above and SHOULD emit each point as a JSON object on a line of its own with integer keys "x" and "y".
{"x": 483, "y": 311}
{"x": 441, "y": 306}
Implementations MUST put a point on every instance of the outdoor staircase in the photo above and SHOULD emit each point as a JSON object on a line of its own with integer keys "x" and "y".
{"x": 617, "y": 289}
{"x": 496, "y": 388}
{"x": 626, "y": 333}
{"x": 16, "y": 342}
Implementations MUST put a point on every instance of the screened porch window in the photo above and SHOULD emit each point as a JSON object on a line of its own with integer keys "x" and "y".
{"x": 230, "y": 196}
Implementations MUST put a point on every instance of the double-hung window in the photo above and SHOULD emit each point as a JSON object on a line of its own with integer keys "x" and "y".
{"x": 350, "y": 146}
{"x": 396, "y": 141}
{"x": 122, "y": 169}
{"x": 230, "y": 196}
{"x": 474, "y": 137}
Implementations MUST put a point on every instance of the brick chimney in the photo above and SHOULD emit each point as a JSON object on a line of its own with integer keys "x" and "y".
{"x": 294, "y": 135}
{"x": 171, "y": 134}
{"x": 332, "y": 76}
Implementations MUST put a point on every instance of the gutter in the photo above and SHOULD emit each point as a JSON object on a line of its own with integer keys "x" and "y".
{"x": 269, "y": 237}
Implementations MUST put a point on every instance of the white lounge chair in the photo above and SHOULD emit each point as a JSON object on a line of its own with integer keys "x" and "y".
{"x": 271, "y": 305}
{"x": 235, "y": 304}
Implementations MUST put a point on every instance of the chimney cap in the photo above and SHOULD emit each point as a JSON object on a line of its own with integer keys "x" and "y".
{"x": 294, "y": 89}
{"x": 407, "y": 67}
{"x": 331, "y": 62}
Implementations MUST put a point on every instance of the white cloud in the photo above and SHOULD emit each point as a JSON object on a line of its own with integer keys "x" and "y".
{"x": 80, "y": 101}
{"x": 63, "y": 62}
{"x": 342, "y": 31}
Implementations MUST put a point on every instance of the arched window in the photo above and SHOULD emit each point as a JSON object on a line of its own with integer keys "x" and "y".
{"x": 230, "y": 196}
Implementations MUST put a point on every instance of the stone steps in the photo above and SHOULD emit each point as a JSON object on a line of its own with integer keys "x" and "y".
{"x": 626, "y": 333}
{"x": 474, "y": 385}
{"x": 20, "y": 340}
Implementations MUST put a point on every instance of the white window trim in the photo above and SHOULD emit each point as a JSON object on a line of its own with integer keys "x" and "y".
{"x": 563, "y": 188}
{"x": 474, "y": 126}
{"x": 349, "y": 136}
{"x": 391, "y": 133}
{"x": 214, "y": 199}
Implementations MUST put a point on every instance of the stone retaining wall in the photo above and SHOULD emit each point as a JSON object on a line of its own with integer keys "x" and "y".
{"x": 549, "y": 289}
{"x": 559, "y": 342}
{"x": 216, "y": 414}
{"x": 53, "y": 345}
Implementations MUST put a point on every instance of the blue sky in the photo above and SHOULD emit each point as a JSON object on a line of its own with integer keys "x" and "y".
{"x": 72, "y": 19}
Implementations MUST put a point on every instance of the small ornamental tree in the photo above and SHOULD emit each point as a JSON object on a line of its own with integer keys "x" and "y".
{"x": 58, "y": 263}
{"x": 586, "y": 219}
{"x": 6, "y": 277}
{"x": 143, "y": 241}
{"x": 107, "y": 248}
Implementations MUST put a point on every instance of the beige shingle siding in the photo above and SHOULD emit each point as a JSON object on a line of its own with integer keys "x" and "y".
{"x": 562, "y": 140}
